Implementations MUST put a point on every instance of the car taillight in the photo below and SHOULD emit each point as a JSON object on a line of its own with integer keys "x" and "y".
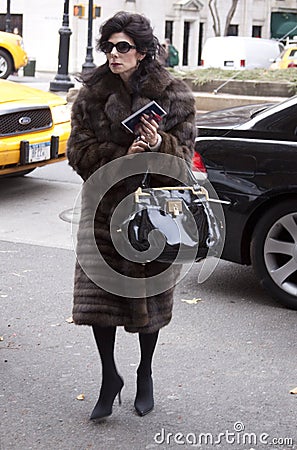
{"x": 292, "y": 64}
{"x": 242, "y": 63}
{"x": 198, "y": 164}
{"x": 202, "y": 62}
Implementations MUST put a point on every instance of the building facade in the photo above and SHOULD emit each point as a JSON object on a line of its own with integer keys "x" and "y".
{"x": 187, "y": 23}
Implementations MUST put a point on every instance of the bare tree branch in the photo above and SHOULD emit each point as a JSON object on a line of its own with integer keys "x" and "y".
{"x": 215, "y": 17}
{"x": 218, "y": 17}
{"x": 230, "y": 16}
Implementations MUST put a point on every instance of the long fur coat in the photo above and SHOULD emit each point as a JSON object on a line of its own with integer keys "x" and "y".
{"x": 98, "y": 138}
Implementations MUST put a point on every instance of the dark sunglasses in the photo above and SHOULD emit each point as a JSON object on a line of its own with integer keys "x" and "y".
{"x": 121, "y": 47}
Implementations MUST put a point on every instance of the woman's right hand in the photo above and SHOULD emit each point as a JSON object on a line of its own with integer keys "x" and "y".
{"x": 138, "y": 146}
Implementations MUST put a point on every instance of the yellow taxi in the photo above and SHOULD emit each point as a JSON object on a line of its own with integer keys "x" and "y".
{"x": 12, "y": 54}
{"x": 287, "y": 59}
{"x": 34, "y": 128}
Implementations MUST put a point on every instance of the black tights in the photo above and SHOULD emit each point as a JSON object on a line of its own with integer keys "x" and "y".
{"x": 147, "y": 344}
{"x": 105, "y": 340}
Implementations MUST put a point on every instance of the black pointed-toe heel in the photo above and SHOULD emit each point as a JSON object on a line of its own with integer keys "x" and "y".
{"x": 144, "y": 400}
{"x": 103, "y": 407}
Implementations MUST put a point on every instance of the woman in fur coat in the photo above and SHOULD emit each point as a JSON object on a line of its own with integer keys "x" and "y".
{"x": 130, "y": 78}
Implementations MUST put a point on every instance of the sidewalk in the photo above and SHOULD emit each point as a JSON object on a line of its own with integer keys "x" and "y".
{"x": 223, "y": 365}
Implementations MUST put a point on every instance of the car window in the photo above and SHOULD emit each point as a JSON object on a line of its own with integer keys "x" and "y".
{"x": 280, "y": 117}
{"x": 282, "y": 121}
{"x": 293, "y": 53}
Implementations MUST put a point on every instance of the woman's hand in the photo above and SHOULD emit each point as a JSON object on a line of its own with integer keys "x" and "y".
{"x": 138, "y": 145}
{"x": 149, "y": 130}
{"x": 148, "y": 136}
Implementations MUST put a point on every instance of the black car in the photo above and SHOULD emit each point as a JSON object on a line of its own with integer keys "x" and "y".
{"x": 250, "y": 154}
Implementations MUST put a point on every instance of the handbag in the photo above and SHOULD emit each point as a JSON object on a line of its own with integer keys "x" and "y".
{"x": 174, "y": 225}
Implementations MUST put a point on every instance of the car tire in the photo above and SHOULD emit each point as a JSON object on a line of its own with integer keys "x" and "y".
{"x": 6, "y": 65}
{"x": 274, "y": 252}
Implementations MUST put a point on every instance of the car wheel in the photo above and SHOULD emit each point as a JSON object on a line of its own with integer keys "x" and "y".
{"x": 6, "y": 66}
{"x": 274, "y": 252}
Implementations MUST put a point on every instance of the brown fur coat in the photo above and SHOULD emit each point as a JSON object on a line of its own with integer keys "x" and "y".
{"x": 97, "y": 138}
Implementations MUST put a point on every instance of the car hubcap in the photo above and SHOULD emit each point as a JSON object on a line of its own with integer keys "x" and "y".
{"x": 280, "y": 253}
{"x": 3, "y": 66}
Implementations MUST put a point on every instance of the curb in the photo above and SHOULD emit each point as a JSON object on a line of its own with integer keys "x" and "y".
{"x": 212, "y": 102}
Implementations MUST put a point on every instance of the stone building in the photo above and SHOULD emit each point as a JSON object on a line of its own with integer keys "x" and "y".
{"x": 187, "y": 23}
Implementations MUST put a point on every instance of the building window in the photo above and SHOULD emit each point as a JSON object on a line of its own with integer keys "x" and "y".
{"x": 169, "y": 29}
{"x": 283, "y": 25}
{"x": 16, "y": 23}
{"x": 186, "y": 43}
{"x": 200, "y": 42}
{"x": 232, "y": 30}
{"x": 257, "y": 31}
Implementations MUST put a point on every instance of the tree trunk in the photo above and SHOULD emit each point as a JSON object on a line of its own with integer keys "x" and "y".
{"x": 215, "y": 17}
{"x": 230, "y": 16}
{"x": 216, "y": 22}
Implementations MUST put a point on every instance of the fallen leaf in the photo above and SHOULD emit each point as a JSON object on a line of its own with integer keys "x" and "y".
{"x": 294, "y": 391}
{"x": 69, "y": 320}
{"x": 80, "y": 397}
{"x": 192, "y": 301}
{"x": 1, "y": 338}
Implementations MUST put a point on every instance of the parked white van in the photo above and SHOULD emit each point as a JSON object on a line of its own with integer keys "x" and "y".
{"x": 237, "y": 52}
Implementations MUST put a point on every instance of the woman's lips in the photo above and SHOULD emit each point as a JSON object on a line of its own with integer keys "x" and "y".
{"x": 115, "y": 64}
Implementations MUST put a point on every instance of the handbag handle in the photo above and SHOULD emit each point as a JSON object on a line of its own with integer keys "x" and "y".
{"x": 191, "y": 175}
{"x": 140, "y": 193}
{"x": 195, "y": 187}
{"x": 146, "y": 181}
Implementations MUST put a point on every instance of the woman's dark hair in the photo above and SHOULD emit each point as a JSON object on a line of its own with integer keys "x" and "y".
{"x": 138, "y": 28}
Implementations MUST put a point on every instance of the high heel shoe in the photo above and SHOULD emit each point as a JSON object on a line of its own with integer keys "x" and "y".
{"x": 144, "y": 400}
{"x": 108, "y": 393}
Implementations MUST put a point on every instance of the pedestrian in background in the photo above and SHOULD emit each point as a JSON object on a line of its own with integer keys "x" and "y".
{"x": 130, "y": 78}
{"x": 172, "y": 54}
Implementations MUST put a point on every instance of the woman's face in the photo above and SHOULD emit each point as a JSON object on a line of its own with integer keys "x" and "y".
{"x": 123, "y": 64}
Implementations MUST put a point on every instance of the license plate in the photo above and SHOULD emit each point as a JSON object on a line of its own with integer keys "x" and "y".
{"x": 39, "y": 152}
{"x": 228, "y": 63}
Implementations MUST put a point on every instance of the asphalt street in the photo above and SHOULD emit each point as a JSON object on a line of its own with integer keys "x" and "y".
{"x": 223, "y": 369}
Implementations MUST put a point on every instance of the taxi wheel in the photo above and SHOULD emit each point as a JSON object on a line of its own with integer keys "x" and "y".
{"x": 6, "y": 65}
